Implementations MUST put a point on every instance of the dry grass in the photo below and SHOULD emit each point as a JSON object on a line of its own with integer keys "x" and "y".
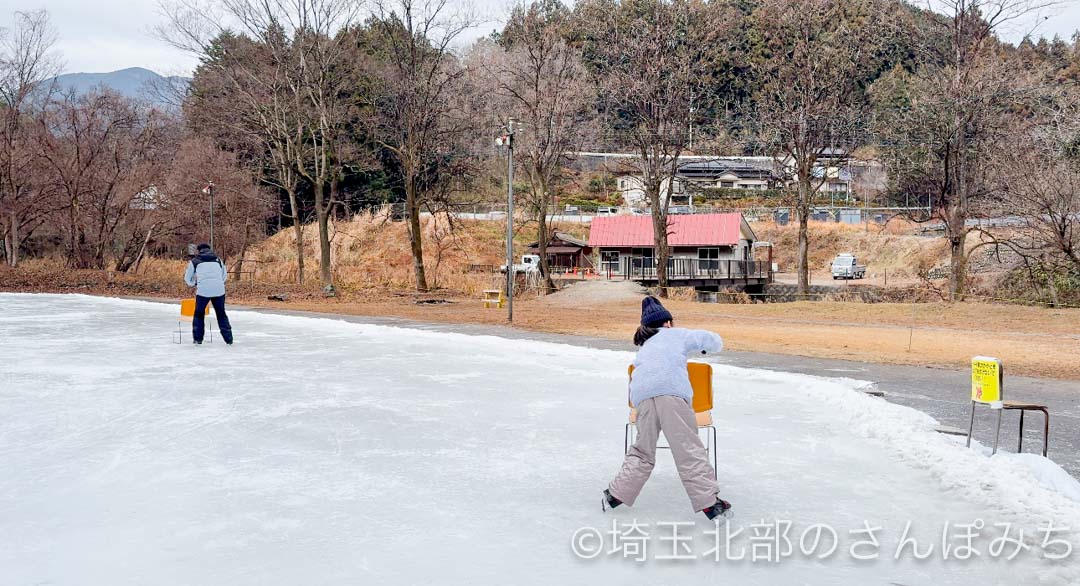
{"x": 156, "y": 278}
{"x": 372, "y": 252}
{"x": 891, "y": 248}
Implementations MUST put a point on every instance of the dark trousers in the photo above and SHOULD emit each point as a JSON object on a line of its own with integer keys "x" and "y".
{"x": 198, "y": 327}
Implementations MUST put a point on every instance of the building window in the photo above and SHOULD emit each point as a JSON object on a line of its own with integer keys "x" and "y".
{"x": 609, "y": 261}
{"x": 708, "y": 259}
{"x": 727, "y": 184}
{"x": 642, "y": 258}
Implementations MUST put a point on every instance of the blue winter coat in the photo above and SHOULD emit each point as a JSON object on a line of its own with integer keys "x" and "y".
{"x": 207, "y": 274}
{"x": 660, "y": 365}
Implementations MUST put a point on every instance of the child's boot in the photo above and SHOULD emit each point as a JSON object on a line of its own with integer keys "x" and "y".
{"x": 719, "y": 509}
{"x": 609, "y": 501}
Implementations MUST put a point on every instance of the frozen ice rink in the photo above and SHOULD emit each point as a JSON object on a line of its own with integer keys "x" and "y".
{"x": 318, "y": 451}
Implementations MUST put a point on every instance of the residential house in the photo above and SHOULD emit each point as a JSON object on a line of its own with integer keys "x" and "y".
{"x": 706, "y": 249}
{"x": 837, "y": 174}
{"x": 564, "y": 252}
{"x": 632, "y": 189}
{"x": 755, "y": 173}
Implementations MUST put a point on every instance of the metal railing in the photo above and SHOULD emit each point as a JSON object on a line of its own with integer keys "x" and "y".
{"x": 687, "y": 269}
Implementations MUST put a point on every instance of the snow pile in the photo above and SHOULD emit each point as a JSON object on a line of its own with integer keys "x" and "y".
{"x": 325, "y": 452}
{"x": 1045, "y": 472}
{"x": 1026, "y": 485}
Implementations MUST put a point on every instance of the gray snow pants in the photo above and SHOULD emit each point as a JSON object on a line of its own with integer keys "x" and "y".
{"x": 674, "y": 417}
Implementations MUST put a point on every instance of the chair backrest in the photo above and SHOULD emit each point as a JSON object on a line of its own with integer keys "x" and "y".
{"x": 700, "y": 374}
{"x": 187, "y": 308}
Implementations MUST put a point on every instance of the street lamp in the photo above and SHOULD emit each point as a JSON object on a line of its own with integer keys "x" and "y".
{"x": 209, "y": 190}
{"x": 507, "y": 140}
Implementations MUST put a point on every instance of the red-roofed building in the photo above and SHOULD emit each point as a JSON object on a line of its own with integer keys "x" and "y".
{"x": 706, "y": 249}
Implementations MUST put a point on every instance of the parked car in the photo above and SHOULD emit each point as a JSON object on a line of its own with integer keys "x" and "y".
{"x": 529, "y": 263}
{"x": 846, "y": 266}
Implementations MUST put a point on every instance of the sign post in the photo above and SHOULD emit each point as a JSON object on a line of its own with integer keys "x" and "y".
{"x": 987, "y": 388}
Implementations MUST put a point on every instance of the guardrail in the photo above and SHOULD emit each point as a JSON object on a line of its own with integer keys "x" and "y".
{"x": 854, "y": 213}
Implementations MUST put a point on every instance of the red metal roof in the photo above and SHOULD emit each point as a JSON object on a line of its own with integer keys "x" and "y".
{"x": 555, "y": 250}
{"x": 683, "y": 230}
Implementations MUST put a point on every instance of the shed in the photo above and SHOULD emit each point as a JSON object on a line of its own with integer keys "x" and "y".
{"x": 564, "y": 252}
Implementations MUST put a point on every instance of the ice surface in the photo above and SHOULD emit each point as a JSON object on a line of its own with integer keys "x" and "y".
{"x": 325, "y": 452}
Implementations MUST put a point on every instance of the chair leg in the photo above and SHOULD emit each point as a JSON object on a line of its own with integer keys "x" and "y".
{"x": 1020, "y": 436}
{"x": 1046, "y": 430}
{"x": 715, "y": 459}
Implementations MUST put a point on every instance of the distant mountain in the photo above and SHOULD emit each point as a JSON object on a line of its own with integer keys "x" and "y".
{"x": 135, "y": 82}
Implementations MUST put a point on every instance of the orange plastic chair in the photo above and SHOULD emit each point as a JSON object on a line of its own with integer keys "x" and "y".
{"x": 701, "y": 381}
{"x": 187, "y": 310}
{"x": 187, "y": 315}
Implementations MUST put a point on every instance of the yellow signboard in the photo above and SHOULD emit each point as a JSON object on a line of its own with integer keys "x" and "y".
{"x": 985, "y": 379}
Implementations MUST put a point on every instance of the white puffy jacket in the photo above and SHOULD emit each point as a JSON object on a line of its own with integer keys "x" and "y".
{"x": 660, "y": 365}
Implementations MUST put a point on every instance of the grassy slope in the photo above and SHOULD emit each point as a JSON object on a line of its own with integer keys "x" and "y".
{"x": 892, "y": 249}
{"x": 371, "y": 252}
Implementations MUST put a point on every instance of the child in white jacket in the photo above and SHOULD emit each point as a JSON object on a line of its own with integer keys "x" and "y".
{"x": 660, "y": 391}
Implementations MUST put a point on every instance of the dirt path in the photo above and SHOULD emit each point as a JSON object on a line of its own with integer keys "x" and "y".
{"x": 1031, "y": 341}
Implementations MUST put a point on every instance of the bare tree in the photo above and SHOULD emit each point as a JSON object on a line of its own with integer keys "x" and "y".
{"x": 808, "y": 111}
{"x": 545, "y": 84}
{"x": 1040, "y": 181}
{"x": 953, "y": 120}
{"x": 104, "y": 157}
{"x": 323, "y": 92}
{"x": 650, "y": 59}
{"x": 240, "y": 95}
{"x": 26, "y": 62}
{"x": 289, "y": 81}
{"x": 416, "y": 114}
{"x": 242, "y": 205}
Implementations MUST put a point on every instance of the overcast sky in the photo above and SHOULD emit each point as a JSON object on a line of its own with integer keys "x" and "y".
{"x": 106, "y": 35}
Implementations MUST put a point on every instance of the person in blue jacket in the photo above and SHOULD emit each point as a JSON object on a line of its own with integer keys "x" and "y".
{"x": 207, "y": 274}
{"x": 660, "y": 390}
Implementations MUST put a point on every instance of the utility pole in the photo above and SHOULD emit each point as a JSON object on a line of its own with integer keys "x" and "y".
{"x": 866, "y": 214}
{"x": 508, "y": 140}
{"x": 691, "y": 121}
{"x": 209, "y": 190}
